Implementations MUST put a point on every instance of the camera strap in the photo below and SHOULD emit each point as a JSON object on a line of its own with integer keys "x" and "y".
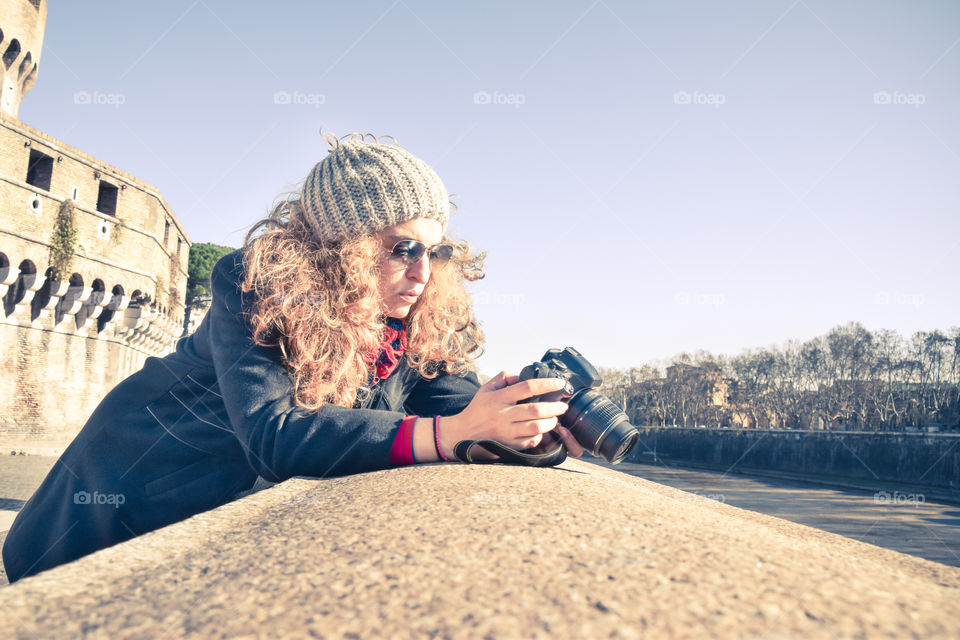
{"x": 543, "y": 455}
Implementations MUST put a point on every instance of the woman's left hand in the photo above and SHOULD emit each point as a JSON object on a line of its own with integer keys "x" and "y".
{"x": 573, "y": 447}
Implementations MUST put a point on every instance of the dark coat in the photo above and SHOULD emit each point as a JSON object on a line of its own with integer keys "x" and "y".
{"x": 190, "y": 430}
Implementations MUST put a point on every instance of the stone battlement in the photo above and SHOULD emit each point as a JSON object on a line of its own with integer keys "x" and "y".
{"x": 63, "y": 347}
{"x": 34, "y": 301}
{"x": 457, "y": 551}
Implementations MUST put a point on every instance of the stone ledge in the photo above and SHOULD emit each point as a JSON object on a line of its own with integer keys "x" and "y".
{"x": 469, "y": 551}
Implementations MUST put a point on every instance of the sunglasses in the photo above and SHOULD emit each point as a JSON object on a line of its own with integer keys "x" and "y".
{"x": 409, "y": 252}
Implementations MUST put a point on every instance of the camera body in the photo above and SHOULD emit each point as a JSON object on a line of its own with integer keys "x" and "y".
{"x": 593, "y": 419}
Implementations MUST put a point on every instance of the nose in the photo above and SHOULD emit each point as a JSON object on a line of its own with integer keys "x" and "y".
{"x": 420, "y": 270}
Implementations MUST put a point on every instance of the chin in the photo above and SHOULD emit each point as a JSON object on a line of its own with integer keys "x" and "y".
{"x": 400, "y": 312}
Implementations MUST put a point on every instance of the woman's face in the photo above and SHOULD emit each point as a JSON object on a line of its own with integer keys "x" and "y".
{"x": 401, "y": 285}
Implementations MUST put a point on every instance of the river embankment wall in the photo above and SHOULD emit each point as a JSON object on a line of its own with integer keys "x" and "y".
{"x": 908, "y": 458}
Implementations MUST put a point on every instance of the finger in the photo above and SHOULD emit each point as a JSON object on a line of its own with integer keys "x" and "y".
{"x": 536, "y": 411}
{"x": 573, "y": 447}
{"x": 535, "y": 427}
{"x": 529, "y": 443}
{"x": 535, "y": 387}
{"x": 497, "y": 382}
{"x": 512, "y": 379}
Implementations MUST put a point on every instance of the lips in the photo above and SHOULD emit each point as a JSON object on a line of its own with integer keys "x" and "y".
{"x": 409, "y": 296}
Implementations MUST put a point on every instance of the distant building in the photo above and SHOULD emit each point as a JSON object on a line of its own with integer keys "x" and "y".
{"x": 66, "y": 343}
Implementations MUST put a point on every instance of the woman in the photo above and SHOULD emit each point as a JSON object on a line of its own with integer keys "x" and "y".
{"x": 339, "y": 340}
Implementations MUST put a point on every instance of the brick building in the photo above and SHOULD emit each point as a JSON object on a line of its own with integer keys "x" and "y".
{"x": 64, "y": 344}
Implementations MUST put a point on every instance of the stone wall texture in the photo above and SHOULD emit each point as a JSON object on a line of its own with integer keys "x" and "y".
{"x": 486, "y": 551}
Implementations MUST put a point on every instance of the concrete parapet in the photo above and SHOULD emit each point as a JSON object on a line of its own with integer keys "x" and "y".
{"x": 486, "y": 551}
{"x": 63, "y": 347}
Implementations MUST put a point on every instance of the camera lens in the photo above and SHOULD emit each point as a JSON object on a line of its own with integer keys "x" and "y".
{"x": 600, "y": 426}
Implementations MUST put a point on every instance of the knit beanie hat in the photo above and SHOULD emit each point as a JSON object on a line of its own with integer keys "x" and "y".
{"x": 361, "y": 187}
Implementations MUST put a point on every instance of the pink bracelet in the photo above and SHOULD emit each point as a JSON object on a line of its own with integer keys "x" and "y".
{"x": 436, "y": 438}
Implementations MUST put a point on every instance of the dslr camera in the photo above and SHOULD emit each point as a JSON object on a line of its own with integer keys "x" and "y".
{"x": 593, "y": 419}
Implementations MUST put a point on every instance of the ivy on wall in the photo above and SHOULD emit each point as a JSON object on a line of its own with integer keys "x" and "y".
{"x": 161, "y": 291}
{"x": 64, "y": 241}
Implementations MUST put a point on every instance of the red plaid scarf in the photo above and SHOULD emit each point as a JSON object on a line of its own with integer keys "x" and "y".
{"x": 391, "y": 350}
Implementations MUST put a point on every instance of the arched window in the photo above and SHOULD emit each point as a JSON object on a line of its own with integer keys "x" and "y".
{"x": 30, "y": 80}
{"x": 97, "y": 292}
{"x": 25, "y": 65}
{"x": 28, "y": 275}
{"x": 4, "y": 272}
{"x": 27, "y": 267}
{"x": 107, "y": 314}
{"x": 74, "y": 290}
{"x": 12, "y": 53}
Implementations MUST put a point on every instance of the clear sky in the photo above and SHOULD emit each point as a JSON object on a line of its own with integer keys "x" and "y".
{"x": 648, "y": 178}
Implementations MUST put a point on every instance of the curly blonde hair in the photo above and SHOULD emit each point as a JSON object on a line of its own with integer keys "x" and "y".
{"x": 321, "y": 305}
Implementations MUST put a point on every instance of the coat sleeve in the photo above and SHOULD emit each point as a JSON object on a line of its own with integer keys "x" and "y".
{"x": 444, "y": 395}
{"x": 280, "y": 439}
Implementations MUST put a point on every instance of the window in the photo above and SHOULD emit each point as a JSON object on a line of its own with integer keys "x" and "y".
{"x": 166, "y": 233}
{"x": 40, "y": 170}
{"x": 75, "y": 193}
{"x": 107, "y": 198}
{"x": 30, "y": 80}
{"x": 179, "y": 242}
{"x": 16, "y": 292}
{"x": 25, "y": 65}
{"x": 12, "y": 53}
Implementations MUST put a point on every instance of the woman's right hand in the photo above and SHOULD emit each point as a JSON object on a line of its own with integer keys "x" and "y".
{"x": 494, "y": 414}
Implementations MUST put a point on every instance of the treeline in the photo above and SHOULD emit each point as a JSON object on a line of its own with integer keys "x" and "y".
{"x": 849, "y": 378}
{"x": 203, "y": 257}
